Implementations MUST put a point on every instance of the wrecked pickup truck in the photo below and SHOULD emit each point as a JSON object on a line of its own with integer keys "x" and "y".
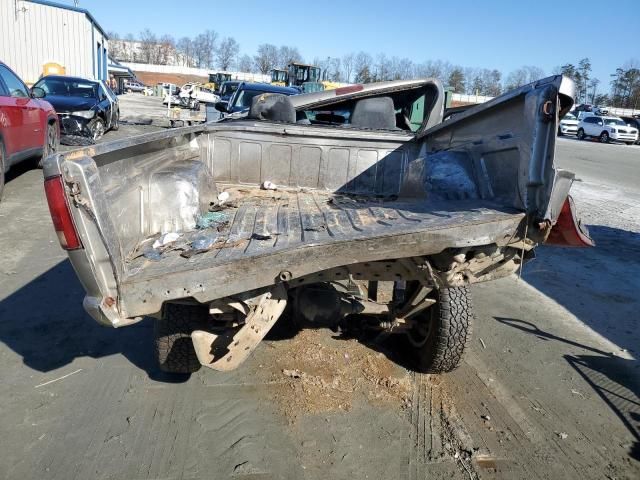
{"x": 357, "y": 207}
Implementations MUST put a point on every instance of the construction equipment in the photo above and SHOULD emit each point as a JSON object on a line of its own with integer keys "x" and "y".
{"x": 279, "y": 77}
{"x": 216, "y": 79}
{"x": 295, "y": 75}
{"x": 309, "y": 77}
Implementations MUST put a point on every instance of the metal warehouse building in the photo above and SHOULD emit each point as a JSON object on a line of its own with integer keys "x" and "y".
{"x": 34, "y": 33}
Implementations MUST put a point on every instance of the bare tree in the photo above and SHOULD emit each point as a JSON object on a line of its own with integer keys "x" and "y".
{"x": 148, "y": 46}
{"x": 473, "y": 81}
{"x": 166, "y": 50}
{"x": 186, "y": 50}
{"x": 400, "y": 68}
{"x": 227, "y": 51}
{"x": 383, "y": 69}
{"x": 522, "y": 76}
{"x": 115, "y": 46}
{"x": 266, "y": 58}
{"x": 205, "y": 45}
{"x": 245, "y": 64}
{"x": 434, "y": 69}
{"x": 363, "y": 65}
{"x": 128, "y": 48}
{"x": 287, "y": 55}
{"x": 348, "y": 62}
{"x": 491, "y": 82}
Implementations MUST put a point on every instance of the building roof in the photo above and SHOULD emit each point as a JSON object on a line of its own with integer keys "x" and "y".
{"x": 47, "y": 3}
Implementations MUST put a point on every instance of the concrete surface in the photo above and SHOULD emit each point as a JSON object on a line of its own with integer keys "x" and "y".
{"x": 549, "y": 389}
{"x": 137, "y": 109}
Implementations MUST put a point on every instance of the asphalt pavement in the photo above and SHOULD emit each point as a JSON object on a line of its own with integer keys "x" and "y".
{"x": 550, "y": 388}
{"x": 614, "y": 164}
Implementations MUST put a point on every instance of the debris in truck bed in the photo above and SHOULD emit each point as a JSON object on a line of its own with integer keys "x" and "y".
{"x": 319, "y": 373}
{"x": 217, "y": 219}
{"x": 166, "y": 239}
{"x": 260, "y": 236}
{"x": 220, "y": 242}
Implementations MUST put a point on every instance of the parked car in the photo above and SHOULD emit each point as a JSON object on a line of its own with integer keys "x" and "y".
{"x": 86, "y": 108}
{"x": 193, "y": 94}
{"x": 607, "y": 129}
{"x": 29, "y": 126}
{"x": 633, "y": 122}
{"x": 568, "y": 125}
{"x": 240, "y": 101}
{"x": 190, "y": 238}
{"x": 134, "y": 87}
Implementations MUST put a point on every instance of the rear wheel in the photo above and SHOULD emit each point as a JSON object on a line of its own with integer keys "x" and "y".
{"x": 604, "y": 137}
{"x": 442, "y": 331}
{"x": 174, "y": 348}
{"x": 51, "y": 143}
{"x": 580, "y": 134}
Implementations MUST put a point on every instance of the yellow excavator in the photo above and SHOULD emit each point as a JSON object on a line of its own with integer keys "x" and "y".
{"x": 279, "y": 77}
{"x": 308, "y": 77}
{"x": 217, "y": 79}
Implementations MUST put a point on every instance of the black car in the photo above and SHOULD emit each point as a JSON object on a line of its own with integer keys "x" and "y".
{"x": 86, "y": 108}
{"x": 634, "y": 122}
{"x": 240, "y": 101}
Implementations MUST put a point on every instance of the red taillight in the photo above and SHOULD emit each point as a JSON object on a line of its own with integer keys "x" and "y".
{"x": 60, "y": 214}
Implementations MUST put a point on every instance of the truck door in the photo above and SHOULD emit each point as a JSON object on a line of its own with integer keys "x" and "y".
{"x": 20, "y": 114}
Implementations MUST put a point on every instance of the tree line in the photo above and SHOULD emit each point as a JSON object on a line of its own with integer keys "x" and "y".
{"x": 209, "y": 50}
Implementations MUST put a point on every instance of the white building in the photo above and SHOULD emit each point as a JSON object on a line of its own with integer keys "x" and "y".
{"x": 34, "y": 33}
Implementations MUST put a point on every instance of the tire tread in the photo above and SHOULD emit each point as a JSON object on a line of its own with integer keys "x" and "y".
{"x": 453, "y": 331}
{"x": 172, "y": 334}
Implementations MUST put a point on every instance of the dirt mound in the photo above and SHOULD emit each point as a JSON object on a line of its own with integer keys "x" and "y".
{"x": 315, "y": 372}
{"x": 152, "y": 78}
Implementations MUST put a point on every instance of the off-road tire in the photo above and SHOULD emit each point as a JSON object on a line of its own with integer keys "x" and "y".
{"x": 580, "y": 134}
{"x": 450, "y": 332}
{"x": 172, "y": 334}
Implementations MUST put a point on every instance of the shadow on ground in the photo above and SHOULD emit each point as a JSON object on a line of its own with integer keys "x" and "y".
{"x": 45, "y": 323}
{"x": 614, "y": 379}
{"x": 599, "y": 285}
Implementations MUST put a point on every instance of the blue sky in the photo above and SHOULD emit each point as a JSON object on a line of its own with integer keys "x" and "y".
{"x": 481, "y": 33}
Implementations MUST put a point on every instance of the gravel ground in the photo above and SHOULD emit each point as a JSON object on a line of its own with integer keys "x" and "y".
{"x": 550, "y": 388}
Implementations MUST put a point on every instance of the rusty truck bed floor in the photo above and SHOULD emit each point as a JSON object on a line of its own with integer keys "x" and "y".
{"x": 260, "y": 223}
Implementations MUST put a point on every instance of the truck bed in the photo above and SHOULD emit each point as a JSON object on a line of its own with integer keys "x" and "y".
{"x": 259, "y": 225}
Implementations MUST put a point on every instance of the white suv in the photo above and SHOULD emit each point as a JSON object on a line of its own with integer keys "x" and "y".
{"x": 607, "y": 129}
